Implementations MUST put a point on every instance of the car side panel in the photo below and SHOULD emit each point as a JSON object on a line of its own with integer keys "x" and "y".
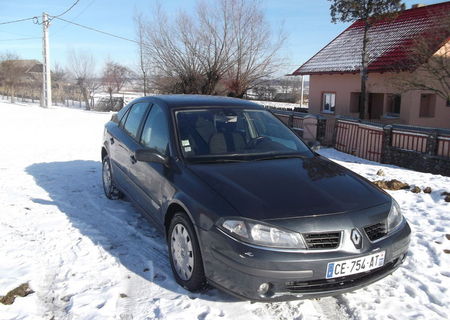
{"x": 117, "y": 153}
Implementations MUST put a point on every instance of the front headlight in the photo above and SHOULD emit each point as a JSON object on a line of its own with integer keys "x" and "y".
{"x": 395, "y": 216}
{"x": 262, "y": 234}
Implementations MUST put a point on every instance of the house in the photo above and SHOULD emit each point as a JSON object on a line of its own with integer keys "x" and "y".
{"x": 335, "y": 70}
{"x": 20, "y": 78}
{"x": 24, "y": 70}
{"x": 20, "y": 73}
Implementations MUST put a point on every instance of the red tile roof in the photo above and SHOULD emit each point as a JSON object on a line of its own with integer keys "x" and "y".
{"x": 389, "y": 46}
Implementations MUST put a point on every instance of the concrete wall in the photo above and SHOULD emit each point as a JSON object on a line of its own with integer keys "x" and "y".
{"x": 344, "y": 84}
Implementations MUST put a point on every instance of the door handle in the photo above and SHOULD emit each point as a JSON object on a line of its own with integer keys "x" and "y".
{"x": 111, "y": 140}
{"x": 133, "y": 159}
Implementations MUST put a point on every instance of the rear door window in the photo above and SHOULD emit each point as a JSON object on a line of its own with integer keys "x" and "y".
{"x": 155, "y": 133}
{"x": 124, "y": 117}
{"x": 134, "y": 118}
{"x": 121, "y": 115}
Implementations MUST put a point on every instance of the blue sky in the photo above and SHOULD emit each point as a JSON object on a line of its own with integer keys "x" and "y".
{"x": 306, "y": 22}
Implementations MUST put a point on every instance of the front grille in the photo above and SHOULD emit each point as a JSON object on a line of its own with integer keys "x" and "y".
{"x": 338, "y": 283}
{"x": 330, "y": 240}
{"x": 376, "y": 231}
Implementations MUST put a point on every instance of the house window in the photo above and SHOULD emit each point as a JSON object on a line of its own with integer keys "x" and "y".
{"x": 427, "y": 105}
{"x": 393, "y": 104}
{"x": 354, "y": 102}
{"x": 328, "y": 102}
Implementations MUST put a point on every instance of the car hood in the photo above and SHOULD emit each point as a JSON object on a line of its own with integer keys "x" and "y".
{"x": 289, "y": 188}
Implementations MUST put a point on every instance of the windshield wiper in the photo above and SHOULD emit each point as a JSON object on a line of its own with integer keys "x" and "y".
{"x": 217, "y": 161}
{"x": 247, "y": 158}
{"x": 281, "y": 156}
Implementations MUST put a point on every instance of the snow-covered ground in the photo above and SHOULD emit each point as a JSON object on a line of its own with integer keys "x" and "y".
{"x": 280, "y": 105}
{"x": 87, "y": 257}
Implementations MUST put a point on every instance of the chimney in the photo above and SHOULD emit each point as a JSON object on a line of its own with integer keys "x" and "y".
{"x": 417, "y": 5}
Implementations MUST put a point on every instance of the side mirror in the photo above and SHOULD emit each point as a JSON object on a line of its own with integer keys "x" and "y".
{"x": 314, "y": 145}
{"x": 151, "y": 155}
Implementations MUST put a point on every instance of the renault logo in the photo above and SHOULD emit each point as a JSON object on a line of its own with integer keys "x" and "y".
{"x": 356, "y": 238}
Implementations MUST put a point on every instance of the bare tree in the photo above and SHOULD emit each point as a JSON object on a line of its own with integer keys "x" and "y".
{"x": 225, "y": 47}
{"x": 114, "y": 77}
{"x": 59, "y": 74}
{"x": 369, "y": 11}
{"x": 82, "y": 66}
{"x": 255, "y": 47}
{"x": 215, "y": 38}
{"x": 144, "y": 63}
{"x": 428, "y": 65}
{"x": 11, "y": 71}
{"x": 172, "y": 54}
{"x": 59, "y": 78}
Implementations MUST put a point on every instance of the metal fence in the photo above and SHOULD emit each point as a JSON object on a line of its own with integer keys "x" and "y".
{"x": 362, "y": 140}
{"x": 443, "y": 146}
{"x": 413, "y": 141}
{"x": 417, "y": 148}
{"x": 304, "y": 124}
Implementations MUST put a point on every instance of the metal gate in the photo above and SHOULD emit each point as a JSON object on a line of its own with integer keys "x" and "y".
{"x": 362, "y": 140}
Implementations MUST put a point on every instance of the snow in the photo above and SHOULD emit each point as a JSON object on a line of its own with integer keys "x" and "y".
{"x": 389, "y": 43}
{"x": 280, "y": 105}
{"x": 87, "y": 257}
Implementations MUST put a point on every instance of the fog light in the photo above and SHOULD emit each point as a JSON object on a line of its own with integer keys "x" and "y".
{"x": 264, "y": 288}
{"x": 404, "y": 257}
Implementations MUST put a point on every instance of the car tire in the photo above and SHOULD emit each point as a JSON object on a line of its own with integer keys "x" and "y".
{"x": 184, "y": 254}
{"x": 111, "y": 191}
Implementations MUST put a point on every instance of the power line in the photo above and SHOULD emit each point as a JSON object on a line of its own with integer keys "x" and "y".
{"x": 19, "y": 20}
{"x": 19, "y": 39}
{"x": 16, "y": 34}
{"x": 74, "y": 18}
{"x": 70, "y": 8}
{"x": 96, "y": 30}
{"x": 82, "y": 11}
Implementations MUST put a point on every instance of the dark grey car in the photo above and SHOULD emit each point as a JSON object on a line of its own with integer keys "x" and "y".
{"x": 245, "y": 205}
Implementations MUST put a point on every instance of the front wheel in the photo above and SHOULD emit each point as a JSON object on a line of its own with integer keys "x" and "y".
{"x": 184, "y": 253}
{"x": 111, "y": 191}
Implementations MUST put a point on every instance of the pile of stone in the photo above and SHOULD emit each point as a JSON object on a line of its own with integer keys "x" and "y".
{"x": 391, "y": 184}
{"x": 398, "y": 185}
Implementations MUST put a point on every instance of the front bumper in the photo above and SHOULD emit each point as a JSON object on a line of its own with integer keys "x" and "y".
{"x": 240, "y": 269}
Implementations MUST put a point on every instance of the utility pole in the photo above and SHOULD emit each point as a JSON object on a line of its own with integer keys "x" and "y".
{"x": 46, "y": 76}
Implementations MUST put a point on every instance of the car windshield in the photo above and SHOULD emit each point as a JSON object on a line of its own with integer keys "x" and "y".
{"x": 233, "y": 134}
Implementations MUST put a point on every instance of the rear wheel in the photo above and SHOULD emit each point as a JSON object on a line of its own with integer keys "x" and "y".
{"x": 184, "y": 253}
{"x": 111, "y": 191}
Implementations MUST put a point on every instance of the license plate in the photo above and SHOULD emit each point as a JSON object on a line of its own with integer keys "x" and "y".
{"x": 353, "y": 266}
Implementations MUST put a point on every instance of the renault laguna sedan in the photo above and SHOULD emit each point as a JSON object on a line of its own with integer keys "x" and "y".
{"x": 245, "y": 205}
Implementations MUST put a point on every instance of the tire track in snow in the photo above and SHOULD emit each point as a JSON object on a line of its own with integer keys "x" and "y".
{"x": 145, "y": 247}
{"x": 332, "y": 308}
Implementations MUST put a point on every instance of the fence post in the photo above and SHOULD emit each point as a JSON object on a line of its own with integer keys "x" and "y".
{"x": 386, "y": 144}
{"x": 291, "y": 121}
{"x": 335, "y": 132}
{"x": 432, "y": 142}
{"x": 321, "y": 129}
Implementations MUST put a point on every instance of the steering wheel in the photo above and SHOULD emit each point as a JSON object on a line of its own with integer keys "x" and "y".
{"x": 257, "y": 141}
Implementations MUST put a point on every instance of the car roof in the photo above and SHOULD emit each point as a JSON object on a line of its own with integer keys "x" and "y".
{"x": 194, "y": 100}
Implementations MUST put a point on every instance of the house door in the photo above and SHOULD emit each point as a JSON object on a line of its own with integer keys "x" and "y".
{"x": 376, "y": 102}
